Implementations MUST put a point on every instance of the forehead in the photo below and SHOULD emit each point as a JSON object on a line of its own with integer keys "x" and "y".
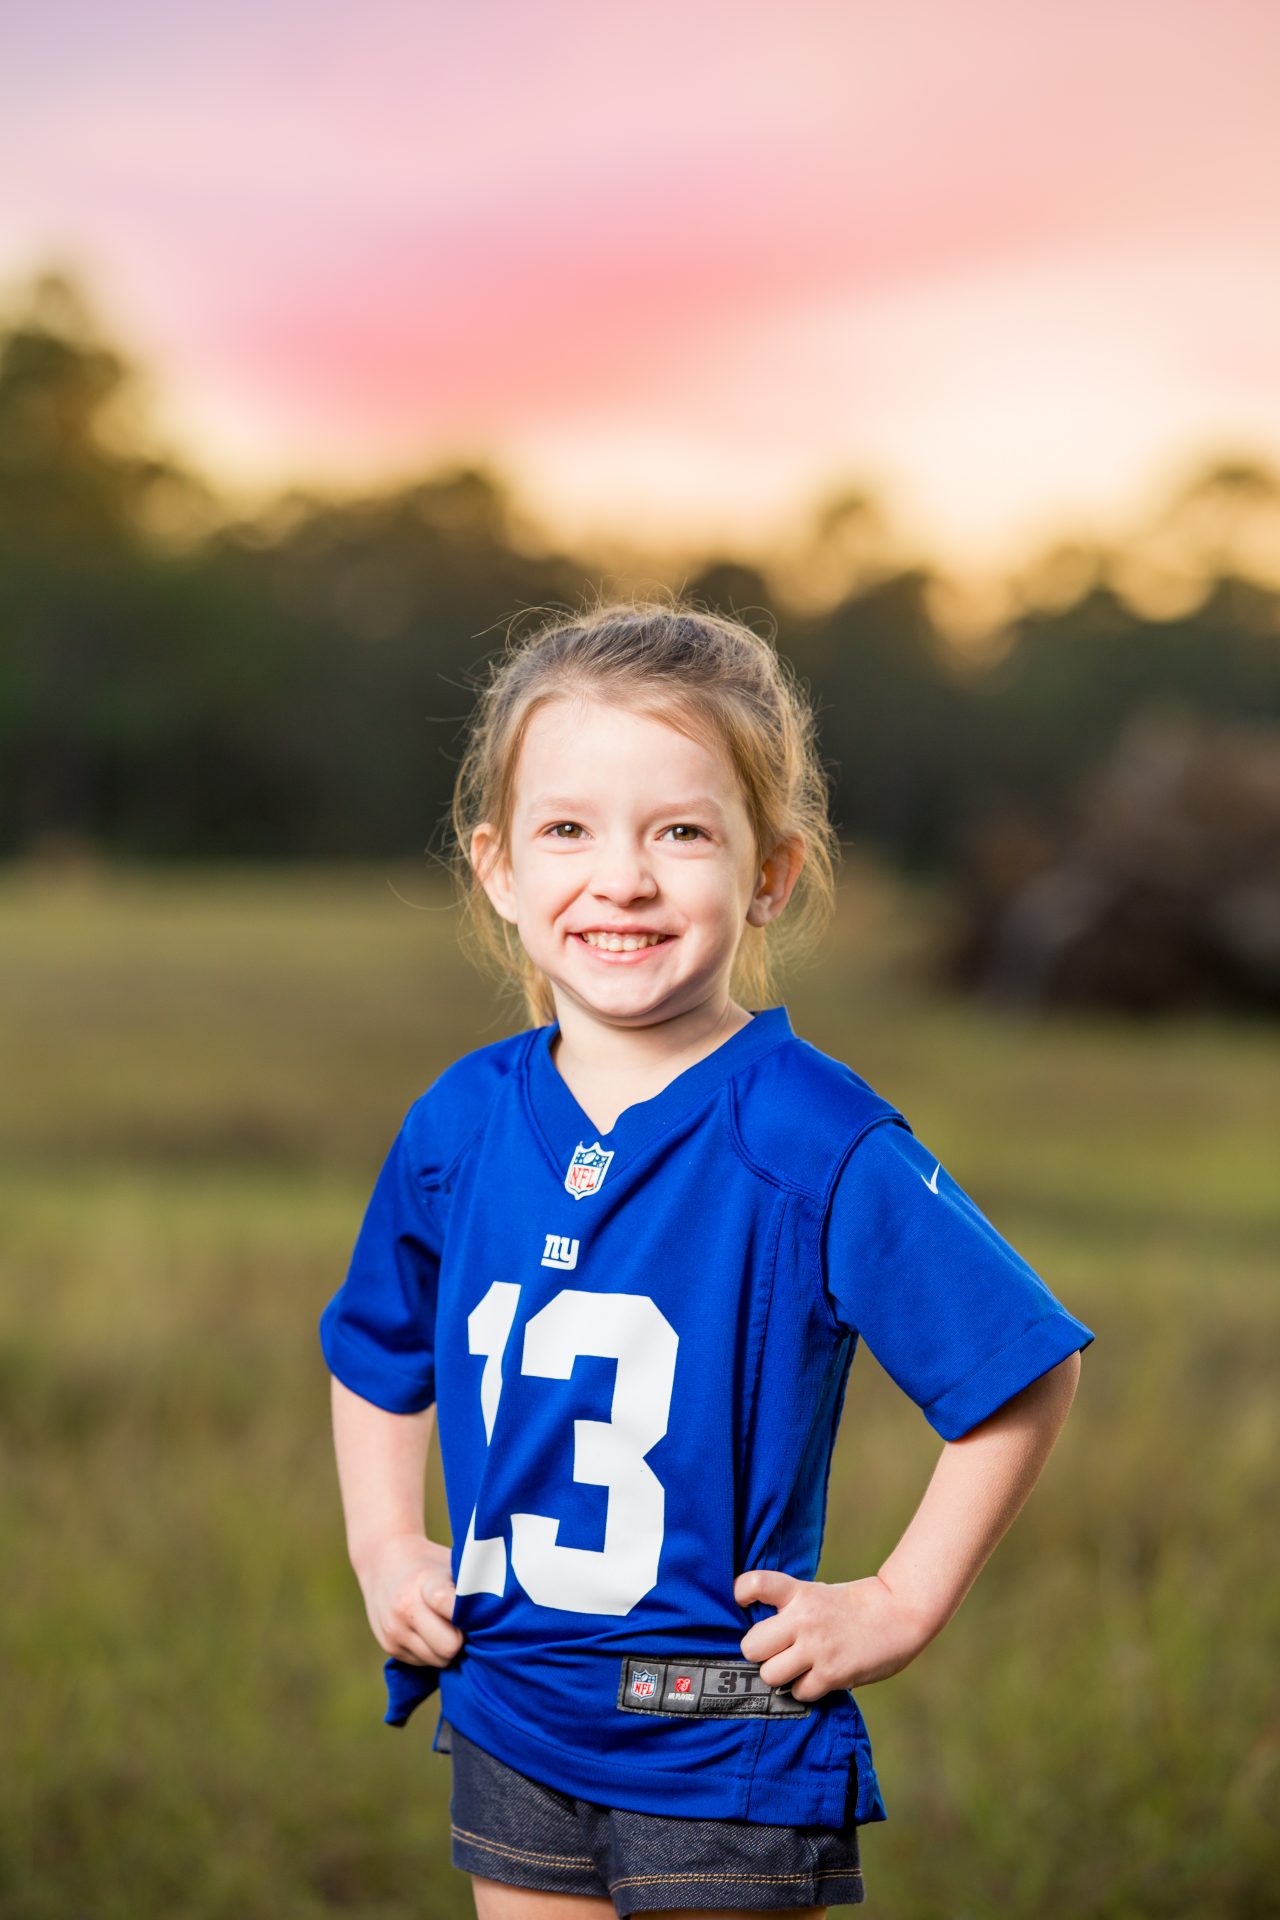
{"x": 576, "y": 746}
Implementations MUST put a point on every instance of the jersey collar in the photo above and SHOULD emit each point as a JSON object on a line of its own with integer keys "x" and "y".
{"x": 564, "y": 1124}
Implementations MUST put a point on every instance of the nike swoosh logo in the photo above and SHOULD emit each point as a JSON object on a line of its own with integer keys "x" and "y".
{"x": 932, "y": 1183}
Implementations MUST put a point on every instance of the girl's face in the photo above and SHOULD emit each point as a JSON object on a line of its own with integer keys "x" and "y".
{"x": 622, "y": 825}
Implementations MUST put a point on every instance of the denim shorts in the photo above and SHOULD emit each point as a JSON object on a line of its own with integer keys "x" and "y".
{"x": 507, "y": 1827}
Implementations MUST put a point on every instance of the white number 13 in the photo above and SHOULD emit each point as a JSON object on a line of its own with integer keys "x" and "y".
{"x": 628, "y": 1328}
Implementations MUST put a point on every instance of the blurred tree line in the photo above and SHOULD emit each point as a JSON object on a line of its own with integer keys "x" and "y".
{"x": 177, "y": 681}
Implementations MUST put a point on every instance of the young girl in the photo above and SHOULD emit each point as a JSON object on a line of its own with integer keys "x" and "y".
{"x": 626, "y": 1255}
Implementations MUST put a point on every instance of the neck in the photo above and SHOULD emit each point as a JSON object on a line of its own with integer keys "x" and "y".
{"x": 589, "y": 1047}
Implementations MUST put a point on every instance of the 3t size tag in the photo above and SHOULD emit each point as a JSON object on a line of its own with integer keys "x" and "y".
{"x": 701, "y": 1686}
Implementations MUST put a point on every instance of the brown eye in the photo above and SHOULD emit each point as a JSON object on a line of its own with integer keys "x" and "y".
{"x": 555, "y": 830}
{"x": 685, "y": 827}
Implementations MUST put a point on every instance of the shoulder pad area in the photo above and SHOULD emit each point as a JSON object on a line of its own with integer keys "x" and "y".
{"x": 444, "y": 1119}
{"x": 798, "y": 1112}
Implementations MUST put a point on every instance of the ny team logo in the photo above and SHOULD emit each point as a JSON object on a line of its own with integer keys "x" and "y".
{"x": 587, "y": 1170}
{"x": 643, "y": 1683}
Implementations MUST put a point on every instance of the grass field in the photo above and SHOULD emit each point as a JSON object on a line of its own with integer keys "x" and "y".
{"x": 198, "y": 1079}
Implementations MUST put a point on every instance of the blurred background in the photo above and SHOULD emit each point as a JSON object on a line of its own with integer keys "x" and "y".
{"x": 939, "y": 345}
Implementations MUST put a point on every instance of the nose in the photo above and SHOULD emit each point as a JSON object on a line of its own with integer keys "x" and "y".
{"x": 622, "y": 873}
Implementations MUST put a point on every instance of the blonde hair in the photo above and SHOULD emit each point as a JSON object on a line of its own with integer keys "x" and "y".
{"x": 707, "y": 675}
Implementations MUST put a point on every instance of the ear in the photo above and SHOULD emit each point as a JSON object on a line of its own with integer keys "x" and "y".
{"x": 775, "y": 882}
{"x": 493, "y": 870}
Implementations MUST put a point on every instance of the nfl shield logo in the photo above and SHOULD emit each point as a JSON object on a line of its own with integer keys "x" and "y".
{"x": 587, "y": 1169}
{"x": 643, "y": 1682}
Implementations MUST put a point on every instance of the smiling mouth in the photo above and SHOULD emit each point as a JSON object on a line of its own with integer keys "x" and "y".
{"x": 622, "y": 942}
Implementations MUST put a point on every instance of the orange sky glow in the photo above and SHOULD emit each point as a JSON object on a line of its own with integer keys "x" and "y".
{"x": 678, "y": 270}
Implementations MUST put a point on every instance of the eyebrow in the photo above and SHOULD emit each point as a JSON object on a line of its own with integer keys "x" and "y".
{"x": 559, "y": 804}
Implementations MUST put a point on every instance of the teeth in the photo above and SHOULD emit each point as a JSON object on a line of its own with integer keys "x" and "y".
{"x": 622, "y": 942}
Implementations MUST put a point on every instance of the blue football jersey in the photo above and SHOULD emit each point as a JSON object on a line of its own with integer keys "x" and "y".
{"x": 638, "y": 1345}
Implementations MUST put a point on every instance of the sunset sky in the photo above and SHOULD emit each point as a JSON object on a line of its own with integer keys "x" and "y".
{"x": 677, "y": 268}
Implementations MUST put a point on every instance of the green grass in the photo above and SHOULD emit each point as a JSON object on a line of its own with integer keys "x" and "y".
{"x": 198, "y": 1078}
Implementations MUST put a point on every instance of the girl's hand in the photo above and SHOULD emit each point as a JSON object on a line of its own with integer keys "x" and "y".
{"x": 824, "y": 1637}
{"x": 408, "y": 1595}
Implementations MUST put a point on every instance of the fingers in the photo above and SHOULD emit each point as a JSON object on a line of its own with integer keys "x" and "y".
{"x": 778, "y": 1653}
{"x": 768, "y": 1585}
{"x": 435, "y": 1621}
{"x": 771, "y": 1642}
{"x": 410, "y": 1646}
{"x": 783, "y": 1645}
{"x": 782, "y": 1668}
{"x": 421, "y": 1625}
{"x": 805, "y": 1687}
{"x": 771, "y": 1588}
{"x": 439, "y": 1594}
{"x": 767, "y": 1638}
{"x": 429, "y": 1641}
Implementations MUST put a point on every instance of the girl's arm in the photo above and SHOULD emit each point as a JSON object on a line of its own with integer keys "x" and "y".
{"x": 404, "y": 1577}
{"x": 864, "y": 1630}
{"x": 978, "y": 1487}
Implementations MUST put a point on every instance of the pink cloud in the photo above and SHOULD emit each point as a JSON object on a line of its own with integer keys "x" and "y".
{"x": 448, "y": 223}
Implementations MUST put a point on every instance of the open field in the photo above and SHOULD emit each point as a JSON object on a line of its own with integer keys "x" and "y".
{"x": 198, "y": 1078}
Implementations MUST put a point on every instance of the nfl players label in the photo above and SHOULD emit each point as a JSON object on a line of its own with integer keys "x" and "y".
{"x": 701, "y": 1686}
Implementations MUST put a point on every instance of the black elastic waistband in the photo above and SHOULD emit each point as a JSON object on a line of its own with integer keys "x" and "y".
{"x": 701, "y": 1686}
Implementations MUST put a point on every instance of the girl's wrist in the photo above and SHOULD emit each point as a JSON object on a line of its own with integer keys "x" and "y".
{"x": 923, "y": 1614}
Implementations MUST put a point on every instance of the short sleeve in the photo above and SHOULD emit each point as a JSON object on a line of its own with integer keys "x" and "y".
{"x": 912, "y": 1266}
{"x": 378, "y": 1331}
